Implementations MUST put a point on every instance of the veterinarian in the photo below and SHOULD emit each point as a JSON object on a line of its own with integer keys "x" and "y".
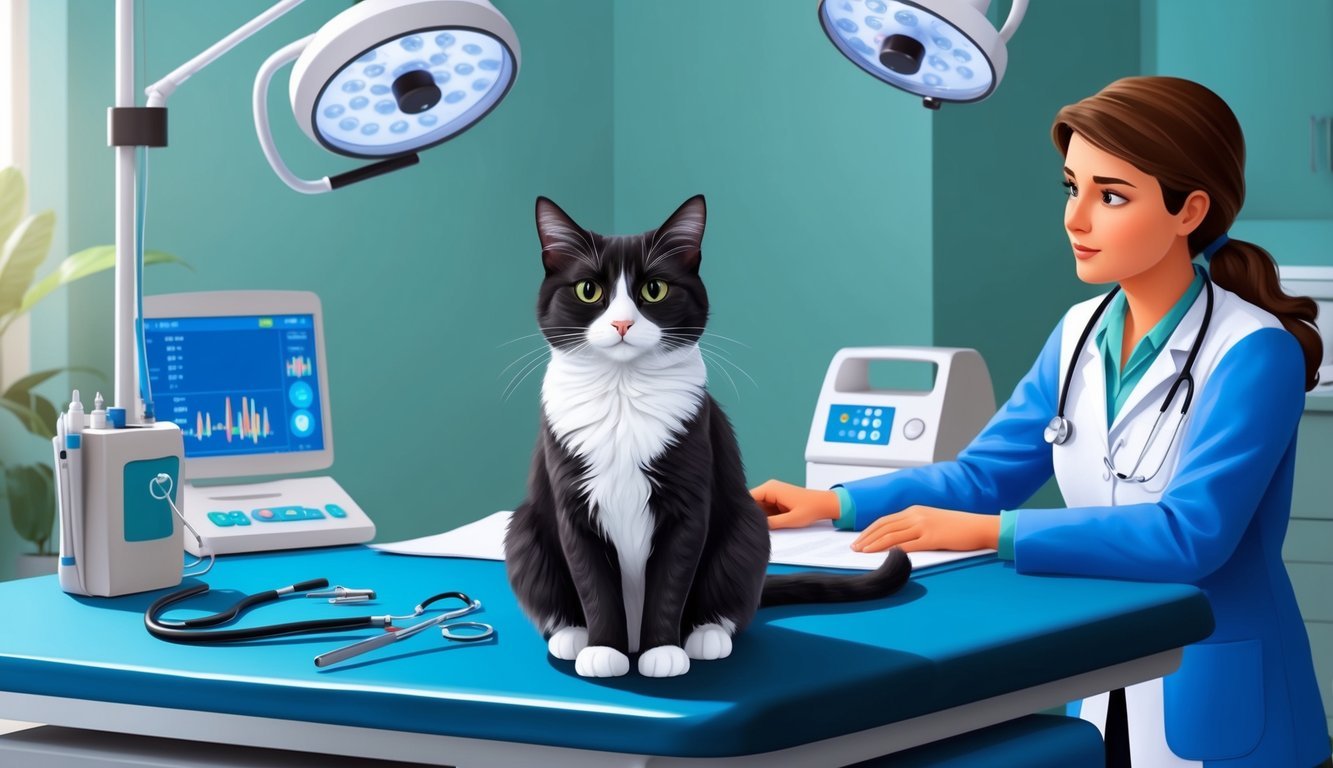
{"x": 1167, "y": 410}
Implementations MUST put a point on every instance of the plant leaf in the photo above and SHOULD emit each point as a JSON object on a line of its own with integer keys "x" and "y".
{"x": 79, "y": 265}
{"x": 46, "y": 414}
{"x": 32, "y": 505}
{"x": 24, "y": 414}
{"x": 21, "y": 255}
{"x": 13, "y": 194}
{"x": 18, "y": 391}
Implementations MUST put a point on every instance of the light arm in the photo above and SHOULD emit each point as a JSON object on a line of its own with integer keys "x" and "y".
{"x": 159, "y": 92}
{"x": 1016, "y": 12}
{"x": 263, "y": 78}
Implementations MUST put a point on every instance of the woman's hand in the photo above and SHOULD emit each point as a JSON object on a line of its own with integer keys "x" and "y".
{"x": 920, "y": 527}
{"x": 791, "y": 506}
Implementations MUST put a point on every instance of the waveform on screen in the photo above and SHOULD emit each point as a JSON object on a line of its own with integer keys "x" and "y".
{"x": 299, "y": 367}
{"x": 248, "y": 422}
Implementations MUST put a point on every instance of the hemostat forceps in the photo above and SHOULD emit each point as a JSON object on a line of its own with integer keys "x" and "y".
{"x": 472, "y": 631}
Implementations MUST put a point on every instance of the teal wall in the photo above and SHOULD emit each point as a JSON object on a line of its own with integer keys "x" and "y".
{"x": 818, "y": 185}
{"x": 1004, "y": 271}
{"x": 424, "y": 274}
{"x": 828, "y": 194}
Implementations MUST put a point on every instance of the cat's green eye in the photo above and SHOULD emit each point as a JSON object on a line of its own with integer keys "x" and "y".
{"x": 588, "y": 292}
{"x": 653, "y": 291}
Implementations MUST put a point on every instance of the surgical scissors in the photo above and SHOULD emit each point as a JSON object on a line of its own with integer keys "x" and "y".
{"x": 474, "y": 630}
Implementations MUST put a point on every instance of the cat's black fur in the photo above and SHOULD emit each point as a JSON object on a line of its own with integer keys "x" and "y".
{"x": 710, "y": 541}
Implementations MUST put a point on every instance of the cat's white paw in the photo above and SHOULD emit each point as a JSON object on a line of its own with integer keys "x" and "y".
{"x": 566, "y": 643}
{"x": 708, "y": 642}
{"x": 601, "y": 661}
{"x": 664, "y": 661}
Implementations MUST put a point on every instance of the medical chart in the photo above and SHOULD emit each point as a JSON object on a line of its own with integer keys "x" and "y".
{"x": 820, "y": 545}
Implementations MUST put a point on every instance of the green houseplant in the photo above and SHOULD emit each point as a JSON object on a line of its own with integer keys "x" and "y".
{"x": 29, "y": 489}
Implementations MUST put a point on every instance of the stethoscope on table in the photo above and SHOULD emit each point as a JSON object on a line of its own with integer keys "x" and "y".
{"x": 1058, "y": 429}
{"x": 194, "y": 630}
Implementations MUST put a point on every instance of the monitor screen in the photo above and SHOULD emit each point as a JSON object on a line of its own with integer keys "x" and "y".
{"x": 247, "y": 387}
{"x": 237, "y": 385}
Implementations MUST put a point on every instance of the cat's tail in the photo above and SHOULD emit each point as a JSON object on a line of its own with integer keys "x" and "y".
{"x": 789, "y": 588}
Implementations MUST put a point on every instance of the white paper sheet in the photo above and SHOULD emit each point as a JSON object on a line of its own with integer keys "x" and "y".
{"x": 481, "y": 540}
{"x": 820, "y": 545}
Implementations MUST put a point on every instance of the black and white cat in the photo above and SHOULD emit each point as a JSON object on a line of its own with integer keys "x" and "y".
{"x": 638, "y": 532}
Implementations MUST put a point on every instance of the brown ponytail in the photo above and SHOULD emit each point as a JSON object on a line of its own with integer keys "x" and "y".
{"x": 1186, "y": 137}
{"x": 1248, "y": 271}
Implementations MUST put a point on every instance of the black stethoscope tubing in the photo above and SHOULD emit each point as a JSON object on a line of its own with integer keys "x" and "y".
{"x": 193, "y": 630}
{"x": 1057, "y": 431}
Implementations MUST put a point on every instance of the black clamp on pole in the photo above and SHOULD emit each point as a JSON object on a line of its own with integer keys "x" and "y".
{"x": 136, "y": 126}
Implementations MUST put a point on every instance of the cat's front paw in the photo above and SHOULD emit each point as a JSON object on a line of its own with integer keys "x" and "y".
{"x": 601, "y": 661}
{"x": 566, "y": 643}
{"x": 664, "y": 661}
{"x": 708, "y": 642}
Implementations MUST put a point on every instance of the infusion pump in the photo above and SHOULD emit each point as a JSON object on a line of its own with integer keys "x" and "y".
{"x": 858, "y": 431}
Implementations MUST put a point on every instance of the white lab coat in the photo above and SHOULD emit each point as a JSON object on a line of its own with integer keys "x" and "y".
{"x": 1085, "y": 482}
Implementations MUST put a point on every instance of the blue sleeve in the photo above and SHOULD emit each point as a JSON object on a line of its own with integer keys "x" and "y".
{"x": 1008, "y": 521}
{"x": 1240, "y": 427}
{"x": 1000, "y": 469}
{"x": 846, "y": 510}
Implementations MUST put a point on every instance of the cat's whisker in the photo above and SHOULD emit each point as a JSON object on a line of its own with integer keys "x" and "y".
{"x": 516, "y": 340}
{"x": 710, "y": 356}
{"x": 539, "y": 333}
{"x": 554, "y": 338}
{"x": 718, "y": 354}
{"x": 706, "y": 332}
{"x": 518, "y": 376}
{"x": 521, "y": 376}
{"x": 544, "y": 349}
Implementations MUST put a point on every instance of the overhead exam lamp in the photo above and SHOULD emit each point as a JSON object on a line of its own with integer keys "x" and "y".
{"x": 383, "y": 80}
{"x": 940, "y": 50}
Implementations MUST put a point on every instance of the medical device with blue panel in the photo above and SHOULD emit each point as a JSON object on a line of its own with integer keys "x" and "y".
{"x": 114, "y": 489}
{"x": 859, "y": 430}
{"x": 243, "y": 375}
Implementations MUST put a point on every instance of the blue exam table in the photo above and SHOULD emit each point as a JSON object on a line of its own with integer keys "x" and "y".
{"x": 963, "y": 646}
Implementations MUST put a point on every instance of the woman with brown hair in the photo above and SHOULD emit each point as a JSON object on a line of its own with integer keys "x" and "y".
{"x": 1167, "y": 410}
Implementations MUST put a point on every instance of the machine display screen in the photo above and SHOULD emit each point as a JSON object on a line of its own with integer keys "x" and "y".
{"x": 865, "y": 424}
{"x": 239, "y": 385}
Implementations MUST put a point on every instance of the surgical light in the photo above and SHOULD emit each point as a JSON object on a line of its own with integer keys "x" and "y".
{"x": 940, "y": 50}
{"x": 381, "y": 80}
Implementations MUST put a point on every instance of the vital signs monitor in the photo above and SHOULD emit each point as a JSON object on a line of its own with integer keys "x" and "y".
{"x": 243, "y": 374}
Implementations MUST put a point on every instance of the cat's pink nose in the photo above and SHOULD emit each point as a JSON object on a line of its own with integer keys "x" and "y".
{"x": 622, "y": 326}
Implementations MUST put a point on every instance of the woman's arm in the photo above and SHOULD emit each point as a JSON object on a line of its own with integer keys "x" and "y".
{"x": 1000, "y": 469}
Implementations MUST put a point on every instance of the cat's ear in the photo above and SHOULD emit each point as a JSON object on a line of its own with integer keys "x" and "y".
{"x": 683, "y": 232}
{"x": 562, "y": 239}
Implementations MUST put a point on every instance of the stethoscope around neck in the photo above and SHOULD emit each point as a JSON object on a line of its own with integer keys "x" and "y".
{"x": 1059, "y": 429}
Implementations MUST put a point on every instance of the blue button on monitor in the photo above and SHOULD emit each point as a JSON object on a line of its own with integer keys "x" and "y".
{"x": 221, "y": 519}
{"x": 238, "y": 517}
{"x": 335, "y": 510}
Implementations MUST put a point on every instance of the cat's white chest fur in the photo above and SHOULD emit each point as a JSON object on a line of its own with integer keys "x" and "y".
{"x": 619, "y": 418}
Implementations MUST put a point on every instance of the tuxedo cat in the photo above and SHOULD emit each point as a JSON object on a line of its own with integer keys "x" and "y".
{"x": 638, "y": 532}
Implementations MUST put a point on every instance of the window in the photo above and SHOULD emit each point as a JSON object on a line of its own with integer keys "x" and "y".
{"x": 13, "y": 83}
{"x": 14, "y": 345}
